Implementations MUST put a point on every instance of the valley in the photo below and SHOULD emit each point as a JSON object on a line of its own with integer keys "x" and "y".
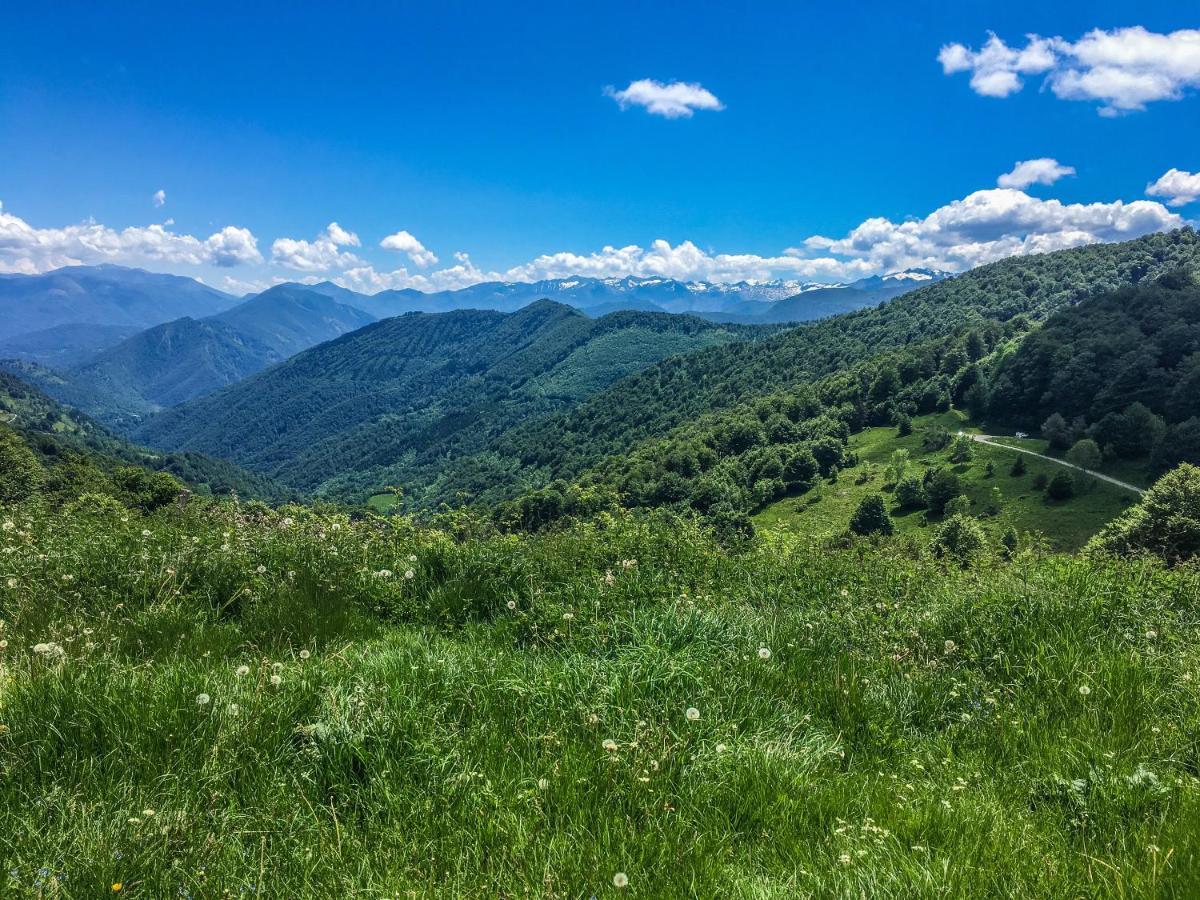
{"x": 665, "y": 451}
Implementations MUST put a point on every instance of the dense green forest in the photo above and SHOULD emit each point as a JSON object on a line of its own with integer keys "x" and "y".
{"x": 479, "y": 407}
{"x": 1014, "y": 291}
{"x": 392, "y": 403}
{"x": 1122, "y": 369}
{"x": 63, "y": 454}
{"x": 1099, "y": 371}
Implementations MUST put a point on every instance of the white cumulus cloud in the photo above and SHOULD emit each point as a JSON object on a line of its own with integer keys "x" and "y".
{"x": 989, "y": 225}
{"x": 320, "y": 254}
{"x": 1034, "y": 171}
{"x": 676, "y": 100}
{"x": 1179, "y": 187}
{"x": 160, "y": 197}
{"x": 1123, "y": 69}
{"x": 30, "y": 250}
{"x": 403, "y": 242}
{"x": 982, "y": 227}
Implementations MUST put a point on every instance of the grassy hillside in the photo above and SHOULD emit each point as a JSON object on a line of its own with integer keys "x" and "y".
{"x": 221, "y": 702}
{"x": 396, "y": 401}
{"x": 1063, "y": 525}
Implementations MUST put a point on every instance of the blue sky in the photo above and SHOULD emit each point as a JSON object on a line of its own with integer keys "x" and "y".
{"x": 485, "y": 129}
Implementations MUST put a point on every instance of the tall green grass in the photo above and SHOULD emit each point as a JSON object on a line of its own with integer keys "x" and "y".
{"x": 510, "y": 718}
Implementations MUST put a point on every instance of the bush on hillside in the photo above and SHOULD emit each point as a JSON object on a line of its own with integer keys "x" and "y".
{"x": 1166, "y": 523}
{"x": 910, "y": 492}
{"x": 941, "y": 486}
{"x": 1085, "y": 454}
{"x": 20, "y": 472}
{"x": 961, "y": 539}
{"x": 871, "y": 517}
{"x": 1061, "y": 487}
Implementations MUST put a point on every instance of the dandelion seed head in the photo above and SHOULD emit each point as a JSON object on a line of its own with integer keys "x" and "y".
{"x": 511, "y": 604}
{"x": 609, "y": 744}
{"x": 202, "y": 699}
{"x": 409, "y": 574}
{"x": 620, "y": 880}
{"x": 276, "y": 681}
{"x": 243, "y": 671}
{"x": 764, "y": 652}
{"x": 1084, "y": 690}
{"x": 692, "y": 714}
{"x": 304, "y": 654}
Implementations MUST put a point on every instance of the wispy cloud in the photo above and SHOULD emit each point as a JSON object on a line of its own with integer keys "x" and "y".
{"x": 675, "y": 100}
{"x": 160, "y": 197}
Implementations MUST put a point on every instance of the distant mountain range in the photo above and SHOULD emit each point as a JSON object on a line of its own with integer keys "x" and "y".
{"x": 122, "y": 343}
{"x": 188, "y": 358}
{"x": 768, "y": 302}
{"x": 102, "y": 295}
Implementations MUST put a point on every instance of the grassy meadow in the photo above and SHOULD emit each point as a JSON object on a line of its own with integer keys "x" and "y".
{"x": 227, "y": 701}
{"x": 1064, "y": 525}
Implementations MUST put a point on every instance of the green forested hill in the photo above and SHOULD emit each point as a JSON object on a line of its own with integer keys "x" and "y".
{"x": 679, "y": 389}
{"x": 392, "y": 402}
{"x": 1110, "y": 382}
{"x": 77, "y": 455}
{"x": 1123, "y": 369}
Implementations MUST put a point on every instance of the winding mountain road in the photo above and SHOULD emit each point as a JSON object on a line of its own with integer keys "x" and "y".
{"x": 991, "y": 439}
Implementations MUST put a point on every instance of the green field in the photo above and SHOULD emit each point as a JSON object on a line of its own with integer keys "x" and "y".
{"x": 1065, "y": 525}
{"x": 221, "y": 703}
{"x": 383, "y": 503}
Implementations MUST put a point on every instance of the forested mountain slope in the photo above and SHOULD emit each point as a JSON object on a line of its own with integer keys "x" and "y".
{"x": 1114, "y": 378}
{"x": 394, "y": 400}
{"x": 289, "y": 319}
{"x": 679, "y": 389}
{"x": 187, "y": 358}
{"x": 64, "y": 346}
{"x": 76, "y": 455}
{"x": 1122, "y": 369}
